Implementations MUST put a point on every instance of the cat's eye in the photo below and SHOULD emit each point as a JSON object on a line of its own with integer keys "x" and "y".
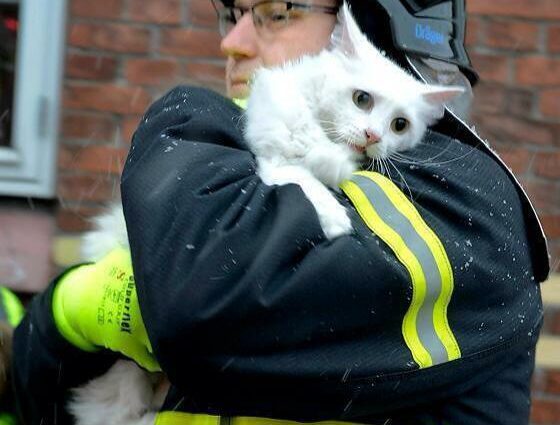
{"x": 400, "y": 125}
{"x": 362, "y": 100}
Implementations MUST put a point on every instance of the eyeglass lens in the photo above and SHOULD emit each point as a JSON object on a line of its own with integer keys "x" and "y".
{"x": 267, "y": 16}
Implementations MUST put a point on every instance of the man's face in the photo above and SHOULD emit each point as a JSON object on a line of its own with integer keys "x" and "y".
{"x": 247, "y": 49}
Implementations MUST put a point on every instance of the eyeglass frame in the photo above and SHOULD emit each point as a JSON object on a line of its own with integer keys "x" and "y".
{"x": 330, "y": 10}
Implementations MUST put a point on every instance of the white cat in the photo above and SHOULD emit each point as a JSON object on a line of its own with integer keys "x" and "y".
{"x": 313, "y": 121}
{"x": 310, "y": 122}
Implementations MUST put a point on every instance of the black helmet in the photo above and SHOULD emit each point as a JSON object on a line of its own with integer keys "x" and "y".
{"x": 427, "y": 29}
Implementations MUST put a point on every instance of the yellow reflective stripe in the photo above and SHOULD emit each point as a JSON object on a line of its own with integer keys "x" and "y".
{"x": 406, "y": 257}
{"x": 12, "y": 305}
{"x": 402, "y": 203}
{"x": 181, "y": 418}
{"x": 394, "y": 219}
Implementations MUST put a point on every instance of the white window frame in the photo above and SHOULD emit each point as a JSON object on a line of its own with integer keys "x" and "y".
{"x": 28, "y": 164}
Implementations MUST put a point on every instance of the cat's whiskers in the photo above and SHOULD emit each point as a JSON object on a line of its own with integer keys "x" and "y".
{"x": 238, "y": 121}
{"x": 343, "y": 138}
{"x": 377, "y": 165}
{"x": 428, "y": 161}
{"x": 332, "y": 133}
{"x": 372, "y": 165}
{"x": 326, "y": 122}
{"x": 402, "y": 158}
{"x": 389, "y": 161}
{"x": 387, "y": 172}
{"x": 383, "y": 167}
{"x": 331, "y": 129}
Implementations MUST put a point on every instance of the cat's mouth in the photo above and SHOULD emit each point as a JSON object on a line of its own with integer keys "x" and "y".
{"x": 358, "y": 149}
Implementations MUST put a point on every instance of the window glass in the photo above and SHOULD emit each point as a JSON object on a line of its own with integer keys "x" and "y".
{"x": 8, "y": 37}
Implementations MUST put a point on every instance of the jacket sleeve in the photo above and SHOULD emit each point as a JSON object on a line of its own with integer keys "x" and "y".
{"x": 45, "y": 367}
{"x": 251, "y": 311}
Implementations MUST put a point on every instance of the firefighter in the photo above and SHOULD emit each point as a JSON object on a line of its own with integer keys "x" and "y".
{"x": 427, "y": 314}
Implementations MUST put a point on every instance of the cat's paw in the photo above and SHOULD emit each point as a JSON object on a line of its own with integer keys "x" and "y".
{"x": 335, "y": 223}
{"x": 272, "y": 174}
{"x": 331, "y": 165}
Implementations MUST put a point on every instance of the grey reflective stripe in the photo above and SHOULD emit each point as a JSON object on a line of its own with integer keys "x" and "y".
{"x": 398, "y": 222}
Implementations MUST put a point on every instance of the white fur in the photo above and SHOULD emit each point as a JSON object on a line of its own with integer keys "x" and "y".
{"x": 109, "y": 232}
{"x": 301, "y": 124}
{"x": 302, "y": 116}
{"x": 123, "y": 396}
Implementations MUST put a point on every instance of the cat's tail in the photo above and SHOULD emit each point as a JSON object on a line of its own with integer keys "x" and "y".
{"x": 109, "y": 232}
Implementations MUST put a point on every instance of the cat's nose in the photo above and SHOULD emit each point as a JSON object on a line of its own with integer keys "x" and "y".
{"x": 371, "y": 137}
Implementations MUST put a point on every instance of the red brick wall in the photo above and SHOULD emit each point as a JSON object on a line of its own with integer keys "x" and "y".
{"x": 515, "y": 45}
{"x": 121, "y": 55}
{"x": 546, "y": 382}
{"x": 546, "y": 398}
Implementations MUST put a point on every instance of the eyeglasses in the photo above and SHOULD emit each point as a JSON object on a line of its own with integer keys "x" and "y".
{"x": 268, "y": 16}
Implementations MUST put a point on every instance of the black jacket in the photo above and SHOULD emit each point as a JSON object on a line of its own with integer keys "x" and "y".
{"x": 252, "y": 312}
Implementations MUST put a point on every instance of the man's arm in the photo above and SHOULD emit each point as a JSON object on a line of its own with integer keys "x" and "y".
{"x": 46, "y": 366}
{"x": 250, "y": 310}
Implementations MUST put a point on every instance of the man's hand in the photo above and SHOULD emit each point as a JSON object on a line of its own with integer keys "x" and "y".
{"x": 95, "y": 306}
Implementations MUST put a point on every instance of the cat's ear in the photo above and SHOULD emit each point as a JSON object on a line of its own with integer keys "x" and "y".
{"x": 347, "y": 36}
{"x": 438, "y": 95}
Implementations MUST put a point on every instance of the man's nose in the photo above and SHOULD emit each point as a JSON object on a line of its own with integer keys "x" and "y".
{"x": 241, "y": 40}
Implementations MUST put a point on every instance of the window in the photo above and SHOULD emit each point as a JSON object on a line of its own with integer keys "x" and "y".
{"x": 31, "y": 57}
